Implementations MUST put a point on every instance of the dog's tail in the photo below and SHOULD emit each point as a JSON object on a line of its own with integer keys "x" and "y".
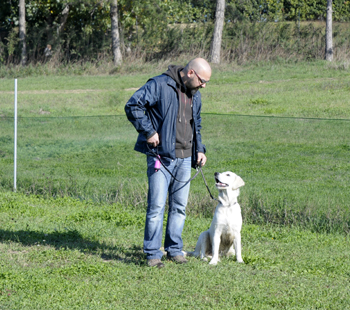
{"x": 190, "y": 253}
{"x": 202, "y": 245}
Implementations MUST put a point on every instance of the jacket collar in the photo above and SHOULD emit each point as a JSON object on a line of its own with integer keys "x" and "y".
{"x": 172, "y": 83}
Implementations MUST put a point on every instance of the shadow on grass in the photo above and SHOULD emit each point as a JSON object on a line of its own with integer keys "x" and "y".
{"x": 73, "y": 240}
{"x": 132, "y": 255}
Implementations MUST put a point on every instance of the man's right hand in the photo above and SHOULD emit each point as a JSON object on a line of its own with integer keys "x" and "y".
{"x": 154, "y": 140}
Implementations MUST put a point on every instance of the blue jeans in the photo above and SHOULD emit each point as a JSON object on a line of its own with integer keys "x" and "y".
{"x": 159, "y": 185}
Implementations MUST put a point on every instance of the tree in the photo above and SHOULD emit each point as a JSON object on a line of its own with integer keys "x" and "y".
{"x": 217, "y": 36}
{"x": 63, "y": 20}
{"x": 117, "y": 55}
{"x": 329, "y": 33}
{"x": 22, "y": 30}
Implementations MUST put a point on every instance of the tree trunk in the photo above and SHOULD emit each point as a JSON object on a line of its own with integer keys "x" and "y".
{"x": 117, "y": 55}
{"x": 22, "y": 30}
{"x": 63, "y": 20}
{"x": 217, "y": 36}
{"x": 329, "y": 32}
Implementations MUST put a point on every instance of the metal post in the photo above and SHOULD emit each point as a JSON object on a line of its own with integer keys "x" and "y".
{"x": 15, "y": 139}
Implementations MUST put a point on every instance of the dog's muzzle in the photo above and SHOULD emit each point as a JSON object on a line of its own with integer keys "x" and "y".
{"x": 218, "y": 183}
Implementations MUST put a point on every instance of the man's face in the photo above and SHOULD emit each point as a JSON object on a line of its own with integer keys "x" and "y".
{"x": 196, "y": 81}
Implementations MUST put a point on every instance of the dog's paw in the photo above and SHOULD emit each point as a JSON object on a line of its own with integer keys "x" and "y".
{"x": 241, "y": 261}
{"x": 213, "y": 262}
{"x": 205, "y": 259}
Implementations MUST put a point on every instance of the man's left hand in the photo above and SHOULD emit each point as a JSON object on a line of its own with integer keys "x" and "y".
{"x": 201, "y": 157}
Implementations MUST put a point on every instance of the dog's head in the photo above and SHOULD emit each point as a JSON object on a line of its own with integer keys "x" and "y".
{"x": 228, "y": 180}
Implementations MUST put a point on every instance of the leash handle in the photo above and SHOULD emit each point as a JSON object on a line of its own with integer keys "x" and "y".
{"x": 160, "y": 162}
{"x": 157, "y": 164}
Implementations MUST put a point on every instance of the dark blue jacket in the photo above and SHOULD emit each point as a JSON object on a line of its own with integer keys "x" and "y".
{"x": 153, "y": 108}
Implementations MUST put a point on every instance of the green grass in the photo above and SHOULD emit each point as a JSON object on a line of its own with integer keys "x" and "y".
{"x": 296, "y": 170}
{"x": 315, "y": 89}
{"x": 68, "y": 254}
{"x": 71, "y": 238}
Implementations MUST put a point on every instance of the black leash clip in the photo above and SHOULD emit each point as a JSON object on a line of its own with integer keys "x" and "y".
{"x": 198, "y": 165}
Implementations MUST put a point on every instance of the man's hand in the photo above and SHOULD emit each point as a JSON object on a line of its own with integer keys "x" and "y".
{"x": 154, "y": 140}
{"x": 201, "y": 157}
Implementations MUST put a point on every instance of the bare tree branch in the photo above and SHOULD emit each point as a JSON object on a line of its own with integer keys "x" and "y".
{"x": 63, "y": 20}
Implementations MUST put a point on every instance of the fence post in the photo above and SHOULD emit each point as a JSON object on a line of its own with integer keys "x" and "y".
{"x": 15, "y": 143}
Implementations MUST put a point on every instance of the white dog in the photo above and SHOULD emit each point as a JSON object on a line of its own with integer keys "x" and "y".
{"x": 225, "y": 229}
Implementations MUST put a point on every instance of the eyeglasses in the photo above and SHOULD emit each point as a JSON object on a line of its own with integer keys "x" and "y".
{"x": 200, "y": 79}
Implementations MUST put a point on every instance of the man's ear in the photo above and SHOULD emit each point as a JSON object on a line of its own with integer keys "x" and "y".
{"x": 238, "y": 182}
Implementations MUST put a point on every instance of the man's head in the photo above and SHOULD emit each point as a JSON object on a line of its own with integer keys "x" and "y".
{"x": 196, "y": 74}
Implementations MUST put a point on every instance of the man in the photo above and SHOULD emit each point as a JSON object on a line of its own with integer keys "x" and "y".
{"x": 166, "y": 114}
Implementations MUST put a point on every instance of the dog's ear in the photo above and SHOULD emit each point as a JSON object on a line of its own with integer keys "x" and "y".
{"x": 238, "y": 182}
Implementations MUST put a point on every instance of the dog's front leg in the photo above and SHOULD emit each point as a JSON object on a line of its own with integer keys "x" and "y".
{"x": 215, "y": 247}
{"x": 238, "y": 247}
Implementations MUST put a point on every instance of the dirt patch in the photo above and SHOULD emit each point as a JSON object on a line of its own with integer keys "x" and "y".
{"x": 133, "y": 88}
{"x": 70, "y": 91}
{"x": 41, "y": 111}
{"x": 67, "y": 91}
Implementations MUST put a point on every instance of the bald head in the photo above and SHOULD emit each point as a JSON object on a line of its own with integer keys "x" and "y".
{"x": 196, "y": 74}
{"x": 201, "y": 66}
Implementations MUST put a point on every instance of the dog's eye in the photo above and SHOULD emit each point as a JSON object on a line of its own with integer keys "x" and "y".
{"x": 228, "y": 174}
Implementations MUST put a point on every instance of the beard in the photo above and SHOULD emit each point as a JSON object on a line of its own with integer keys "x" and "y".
{"x": 194, "y": 90}
{"x": 193, "y": 87}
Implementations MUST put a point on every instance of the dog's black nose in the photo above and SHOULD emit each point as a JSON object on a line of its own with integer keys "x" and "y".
{"x": 216, "y": 174}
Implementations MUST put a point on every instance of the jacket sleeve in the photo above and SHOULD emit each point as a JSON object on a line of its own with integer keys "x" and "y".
{"x": 200, "y": 147}
{"x": 197, "y": 145}
{"x": 137, "y": 106}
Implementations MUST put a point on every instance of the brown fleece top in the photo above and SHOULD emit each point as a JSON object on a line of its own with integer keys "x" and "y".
{"x": 184, "y": 133}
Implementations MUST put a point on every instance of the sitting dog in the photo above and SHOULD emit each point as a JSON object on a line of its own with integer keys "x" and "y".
{"x": 225, "y": 229}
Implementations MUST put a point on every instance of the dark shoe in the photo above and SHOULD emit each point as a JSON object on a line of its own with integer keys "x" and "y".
{"x": 179, "y": 259}
{"x": 155, "y": 262}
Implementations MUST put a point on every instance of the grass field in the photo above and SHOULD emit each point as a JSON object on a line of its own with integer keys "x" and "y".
{"x": 75, "y": 242}
{"x": 315, "y": 89}
{"x": 67, "y": 254}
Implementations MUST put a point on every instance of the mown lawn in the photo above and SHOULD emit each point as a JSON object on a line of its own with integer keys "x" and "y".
{"x": 296, "y": 170}
{"x": 305, "y": 89}
{"x": 68, "y": 254}
{"x": 71, "y": 238}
